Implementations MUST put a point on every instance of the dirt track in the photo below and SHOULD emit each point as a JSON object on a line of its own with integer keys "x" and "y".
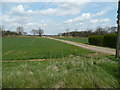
{"x": 89, "y": 47}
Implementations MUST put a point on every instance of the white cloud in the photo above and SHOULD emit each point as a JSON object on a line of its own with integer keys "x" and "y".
{"x": 63, "y": 9}
{"x": 50, "y": 11}
{"x": 18, "y": 10}
{"x": 45, "y": 21}
{"x": 30, "y": 24}
{"x": 6, "y": 18}
{"x": 54, "y": 11}
{"x": 29, "y": 12}
{"x": 69, "y": 21}
{"x": 84, "y": 16}
{"x": 68, "y": 12}
{"x": 78, "y": 23}
{"x": 36, "y": 24}
{"x": 99, "y": 13}
{"x": 88, "y": 20}
{"x": 18, "y": 15}
{"x": 100, "y": 20}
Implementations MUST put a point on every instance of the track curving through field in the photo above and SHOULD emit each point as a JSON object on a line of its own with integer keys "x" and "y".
{"x": 89, "y": 47}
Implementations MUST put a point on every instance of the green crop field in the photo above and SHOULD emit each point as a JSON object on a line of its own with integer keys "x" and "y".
{"x": 75, "y": 39}
{"x": 67, "y": 66}
{"x": 37, "y": 48}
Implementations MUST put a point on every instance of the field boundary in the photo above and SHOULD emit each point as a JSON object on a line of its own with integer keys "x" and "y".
{"x": 26, "y": 60}
{"x": 89, "y": 47}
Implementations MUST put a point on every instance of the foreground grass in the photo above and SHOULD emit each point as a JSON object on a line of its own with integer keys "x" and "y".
{"x": 75, "y": 39}
{"x": 16, "y": 48}
{"x": 92, "y": 71}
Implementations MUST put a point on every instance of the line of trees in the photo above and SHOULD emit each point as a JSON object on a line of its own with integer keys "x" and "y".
{"x": 20, "y": 31}
{"x": 6, "y": 33}
{"x": 38, "y": 31}
{"x": 87, "y": 33}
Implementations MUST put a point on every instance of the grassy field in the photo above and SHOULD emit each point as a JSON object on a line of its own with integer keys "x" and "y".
{"x": 75, "y": 39}
{"x": 37, "y": 48}
{"x": 68, "y": 66}
{"x": 92, "y": 71}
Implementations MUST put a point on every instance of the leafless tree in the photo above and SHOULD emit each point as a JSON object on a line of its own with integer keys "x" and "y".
{"x": 40, "y": 32}
{"x": 67, "y": 31}
{"x": 20, "y": 30}
{"x": 34, "y": 31}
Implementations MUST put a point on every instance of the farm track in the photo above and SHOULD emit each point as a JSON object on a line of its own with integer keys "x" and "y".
{"x": 89, "y": 47}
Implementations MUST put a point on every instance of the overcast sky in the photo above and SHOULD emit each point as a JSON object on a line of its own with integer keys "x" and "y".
{"x": 55, "y": 17}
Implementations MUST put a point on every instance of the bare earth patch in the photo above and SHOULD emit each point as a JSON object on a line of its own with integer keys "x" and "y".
{"x": 25, "y": 60}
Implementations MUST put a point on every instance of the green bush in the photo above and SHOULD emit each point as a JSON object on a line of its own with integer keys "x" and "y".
{"x": 96, "y": 40}
{"x": 110, "y": 40}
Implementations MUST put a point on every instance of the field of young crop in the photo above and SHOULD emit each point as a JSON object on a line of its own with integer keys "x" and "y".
{"x": 37, "y": 48}
{"x": 75, "y": 39}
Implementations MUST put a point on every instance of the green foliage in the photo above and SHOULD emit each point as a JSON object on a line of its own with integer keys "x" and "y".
{"x": 89, "y": 32}
{"x": 96, "y": 40}
{"x": 78, "y": 34}
{"x": 77, "y": 72}
{"x": 6, "y": 33}
{"x": 110, "y": 40}
{"x": 15, "y": 48}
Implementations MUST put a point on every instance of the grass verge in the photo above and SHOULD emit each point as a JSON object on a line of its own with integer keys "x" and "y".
{"x": 92, "y": 71}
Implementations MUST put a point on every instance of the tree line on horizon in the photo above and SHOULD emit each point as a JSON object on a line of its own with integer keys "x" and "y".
{"x": 89, "y": 32}
{"x": 75, "y": 33}
{"x": 20, "y": 31}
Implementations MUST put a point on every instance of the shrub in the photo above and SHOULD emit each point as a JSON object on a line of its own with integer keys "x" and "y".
{"x": 96, "y": 40}
{"x": 110, "y": 40}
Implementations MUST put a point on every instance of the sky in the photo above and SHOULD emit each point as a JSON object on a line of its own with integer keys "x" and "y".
{"x": 56, "y": 17}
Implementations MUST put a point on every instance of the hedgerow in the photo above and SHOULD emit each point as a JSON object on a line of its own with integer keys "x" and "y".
{"x": 108, "y": 40}
{"x": 96, "y": 40}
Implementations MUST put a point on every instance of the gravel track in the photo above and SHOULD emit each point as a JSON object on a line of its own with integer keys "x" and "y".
{"x": 89, "y": 47}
